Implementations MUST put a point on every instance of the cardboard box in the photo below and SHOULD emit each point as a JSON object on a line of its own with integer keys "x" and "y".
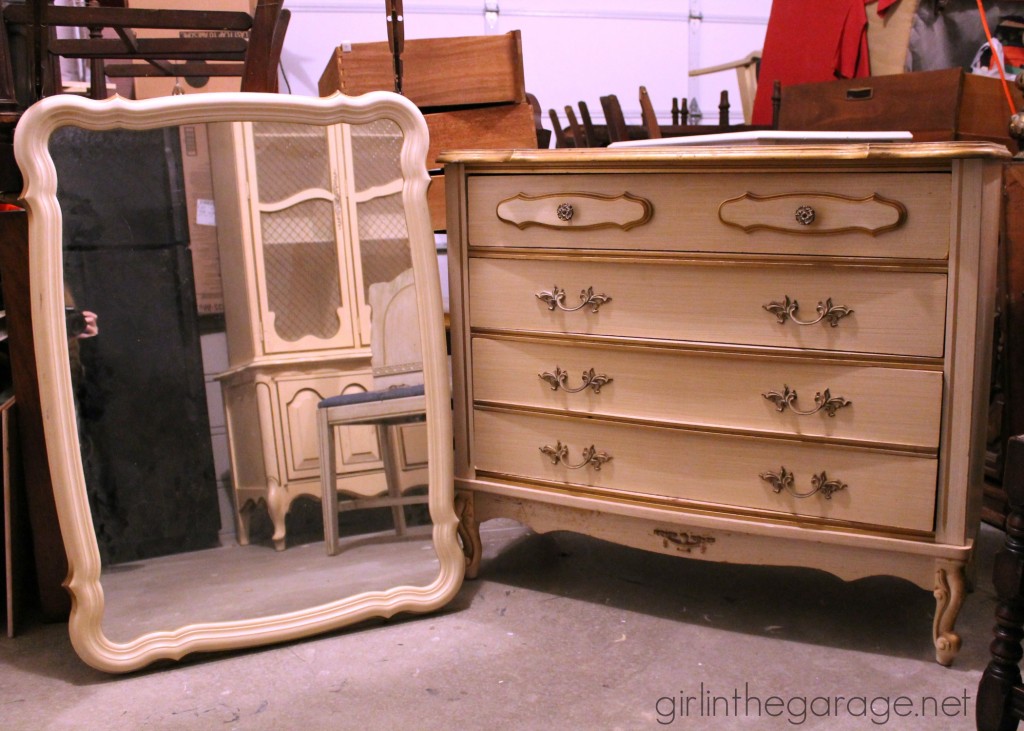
{"x": 436, "y": 72}
{"x": 195, "y": 152}
{"x": 147, "y": 88}
{"x": 202, "y": 222}
{"x": 948, "y": 104}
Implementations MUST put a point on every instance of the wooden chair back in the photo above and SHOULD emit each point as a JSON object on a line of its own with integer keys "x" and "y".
{"x": 561, "y": 138}
{"x": 617, "y": 130}
{"x": 579, "y": 135}
{"x": 396, "y": 354}
{"x": 650, "y": 121}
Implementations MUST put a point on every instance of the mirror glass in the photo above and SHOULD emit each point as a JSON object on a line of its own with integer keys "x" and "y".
{"x": 219, "y": 277}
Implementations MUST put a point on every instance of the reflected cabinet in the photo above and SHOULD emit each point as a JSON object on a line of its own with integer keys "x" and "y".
{"x": 308, "y": 217}
{"x": 760, "y": 355}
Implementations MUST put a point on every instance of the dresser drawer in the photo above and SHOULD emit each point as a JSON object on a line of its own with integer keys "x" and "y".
{"x": 880, "y": 489}
{"x": 890, "y": 311}
{"x": 815, "y": 214}
{"x": 864, "y": 403}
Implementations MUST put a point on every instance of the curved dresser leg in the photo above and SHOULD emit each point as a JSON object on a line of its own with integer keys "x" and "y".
{"x": 995, "y": 705}
{"x": 469, "y": 532}
{"x": 278, "y": 504}
{"x": 949, "y": 597}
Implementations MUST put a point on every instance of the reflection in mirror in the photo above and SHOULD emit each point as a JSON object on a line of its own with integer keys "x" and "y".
{"x": 196, "y": 435}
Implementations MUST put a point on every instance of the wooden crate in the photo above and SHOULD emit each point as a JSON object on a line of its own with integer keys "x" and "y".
{"x": 948, "y": 104}
{"x": 471, "y": 90}
{"x": 499, "y": 126}
{"x": 437, "y": 72}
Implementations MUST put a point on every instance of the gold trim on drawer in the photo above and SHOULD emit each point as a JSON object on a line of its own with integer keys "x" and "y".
{"x": 893, "y": 490}
{"x": 723, "y": 304}
{"x": 813, "y": 213}
{"x": 577, "y": 211}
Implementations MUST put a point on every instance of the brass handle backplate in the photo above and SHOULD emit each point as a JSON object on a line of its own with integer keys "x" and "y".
{"x": 555, "y": 299}
{"x": 559, "y": 454}
{"x": 784, "y": 480}
{"x": 560, "y": 380}
{"x": 787, "y": 309}
{"x": 823, "y": 401}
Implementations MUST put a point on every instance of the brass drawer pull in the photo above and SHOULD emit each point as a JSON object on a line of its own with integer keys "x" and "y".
{"x": 560, "y": 453}
{"x": 783, "y": 480}
{"x": 560, "y": 379}
{"x": 555, "y": 299}
{"x": 823, "y": 400}
{"x": 565, "y": 211}
{"x": 787, "y": 309}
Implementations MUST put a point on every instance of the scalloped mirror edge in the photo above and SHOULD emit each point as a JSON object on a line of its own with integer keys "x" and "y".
{"x": 46, "y": 276}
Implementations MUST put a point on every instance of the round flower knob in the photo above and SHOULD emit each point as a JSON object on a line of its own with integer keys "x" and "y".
{"x": 805, "y": 215}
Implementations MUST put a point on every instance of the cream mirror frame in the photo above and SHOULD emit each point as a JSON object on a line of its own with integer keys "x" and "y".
{"x": 57, "y": 400}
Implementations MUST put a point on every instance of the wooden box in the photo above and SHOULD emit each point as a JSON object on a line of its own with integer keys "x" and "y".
{"x": 471, "y": 90}
{"x": 948, "y": 104}
{"x": 502, "y": 125}
{"x": 437, "y": 72}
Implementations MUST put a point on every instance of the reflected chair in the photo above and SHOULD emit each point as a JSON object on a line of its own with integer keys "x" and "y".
{"x": 397, "y": 399}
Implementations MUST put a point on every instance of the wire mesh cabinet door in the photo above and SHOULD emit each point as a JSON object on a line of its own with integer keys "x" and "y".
{"x": 301, "y": 238}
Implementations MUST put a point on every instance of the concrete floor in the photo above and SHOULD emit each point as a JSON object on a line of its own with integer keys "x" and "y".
{"x": 560, "y": 632}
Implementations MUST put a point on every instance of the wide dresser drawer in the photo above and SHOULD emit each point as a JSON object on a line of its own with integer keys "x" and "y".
{"x": 785, "y": 213}
{"x": 876, "y": 489}
{"x": 858, "y": 402}
{"x": 852, "y": 309}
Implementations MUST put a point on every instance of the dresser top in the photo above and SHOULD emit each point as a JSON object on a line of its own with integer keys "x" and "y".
{"x": 717, "y": 154}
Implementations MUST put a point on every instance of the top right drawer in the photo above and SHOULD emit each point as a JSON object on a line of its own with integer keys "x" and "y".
{"x": 854, "y": 214}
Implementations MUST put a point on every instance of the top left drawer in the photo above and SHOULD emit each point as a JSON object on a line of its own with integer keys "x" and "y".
{"x": 842, "y": 214}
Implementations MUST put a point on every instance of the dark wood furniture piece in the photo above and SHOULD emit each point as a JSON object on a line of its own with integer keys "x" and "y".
{"x": 48, "y": 548}
{"x": 237, "y": 44}
{"x": 30, "y": 71}
{"x": 579, "y": 134}
{"x": 1000, "y": 705}
{"x": 650, "y": 121}
{"x": 562, "y": 139}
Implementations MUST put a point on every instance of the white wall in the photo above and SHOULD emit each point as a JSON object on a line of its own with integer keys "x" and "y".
{"x": 573, "y": 49}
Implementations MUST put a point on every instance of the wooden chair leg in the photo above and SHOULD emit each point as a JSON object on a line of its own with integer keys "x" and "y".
{"x": 995, "y": 705}
{"x": 390, "y": 456}
{"x": 329, "y": 492}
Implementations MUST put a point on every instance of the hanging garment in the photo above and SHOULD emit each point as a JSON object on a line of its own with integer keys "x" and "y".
{"x": 807, "y": 41}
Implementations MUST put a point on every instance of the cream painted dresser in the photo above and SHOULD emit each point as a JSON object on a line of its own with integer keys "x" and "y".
{"x": 768, "y": 355}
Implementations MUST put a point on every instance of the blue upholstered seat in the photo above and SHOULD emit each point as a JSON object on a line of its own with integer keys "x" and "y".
{"x": 362, "y": 397}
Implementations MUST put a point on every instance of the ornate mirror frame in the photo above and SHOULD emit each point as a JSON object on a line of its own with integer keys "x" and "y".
{"x": 52, "y": 355}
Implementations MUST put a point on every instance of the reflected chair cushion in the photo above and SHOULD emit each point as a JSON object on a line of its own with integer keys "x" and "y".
{"x": 368, "y": 396}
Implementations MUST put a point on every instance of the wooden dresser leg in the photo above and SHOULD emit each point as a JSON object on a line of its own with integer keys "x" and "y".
{"x": 995, "y": 691}
{"x": 949, "y": 597}
{"x": 469, "y": 532}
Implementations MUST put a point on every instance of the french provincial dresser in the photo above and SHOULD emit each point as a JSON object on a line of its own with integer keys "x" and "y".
{"x": 769, "y": 355}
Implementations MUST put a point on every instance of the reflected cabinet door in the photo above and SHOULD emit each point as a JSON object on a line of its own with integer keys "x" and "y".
{"x": 302, "y": 272}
